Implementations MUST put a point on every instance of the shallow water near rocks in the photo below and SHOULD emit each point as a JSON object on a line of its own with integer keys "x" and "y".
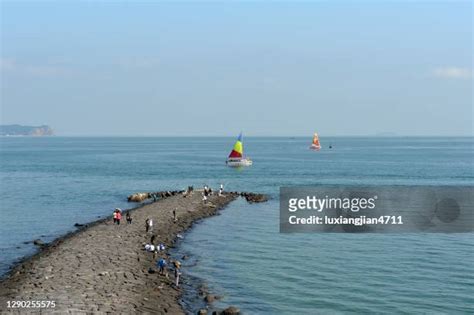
{"x": 48, "y": 184}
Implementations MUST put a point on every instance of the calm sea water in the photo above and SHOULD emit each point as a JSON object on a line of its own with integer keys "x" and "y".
{"x": 48, "y": 184}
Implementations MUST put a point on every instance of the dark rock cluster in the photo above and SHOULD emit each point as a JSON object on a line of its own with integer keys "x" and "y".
{"x": 139, "y": 197}
{"x": 251, "y": 197}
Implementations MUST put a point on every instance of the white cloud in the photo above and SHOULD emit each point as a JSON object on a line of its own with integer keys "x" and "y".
{"x": 452, "y": 72}
{"x": 8, "y": 65}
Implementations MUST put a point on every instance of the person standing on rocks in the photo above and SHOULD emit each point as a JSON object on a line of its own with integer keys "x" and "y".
{"x": 161, "y": 266}
{"x": 129, "y": 218}
{"x": 115, "y": 216}
{"x": 149, "y": 225}
{"x": 177, "y": 273}
{"x": 174, "y": 215}
{"x": 119, "y": 216}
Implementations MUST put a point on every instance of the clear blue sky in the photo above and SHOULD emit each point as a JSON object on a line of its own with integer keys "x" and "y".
{"x": 149, "y": 68}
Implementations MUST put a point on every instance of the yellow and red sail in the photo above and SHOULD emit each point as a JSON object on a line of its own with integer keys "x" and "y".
{"x": 238, "y": 150}
{"x": 316, "y": 144}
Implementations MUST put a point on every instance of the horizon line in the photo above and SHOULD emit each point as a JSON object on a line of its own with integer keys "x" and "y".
{"x": 232, "y": 136}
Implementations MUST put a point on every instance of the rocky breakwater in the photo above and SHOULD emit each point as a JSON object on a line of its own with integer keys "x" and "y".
{"x": 103, "y": 267}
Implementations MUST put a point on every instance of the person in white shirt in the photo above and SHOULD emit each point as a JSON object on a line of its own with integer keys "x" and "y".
{"x": 149, "y": 225}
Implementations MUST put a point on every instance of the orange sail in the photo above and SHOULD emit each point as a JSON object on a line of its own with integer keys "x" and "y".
{"x": 315, "y": 145}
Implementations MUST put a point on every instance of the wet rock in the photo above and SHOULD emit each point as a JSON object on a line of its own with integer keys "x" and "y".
{"x": 231, "y": 310}
{"x": 203, "y": 290}
{"x": 78, "y": 225}
{"x": 254, "y": 198}
{"x": 202, "y": 312}
{"x": 210, "y": 298}
{"x": 39, "y": 242}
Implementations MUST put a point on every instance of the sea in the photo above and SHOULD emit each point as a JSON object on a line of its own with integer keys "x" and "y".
{"x": 48, "y": 184}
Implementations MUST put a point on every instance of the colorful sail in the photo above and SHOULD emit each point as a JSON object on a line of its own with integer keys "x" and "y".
{"x": 238, "y": 150}
{"x": 316, "y": 145}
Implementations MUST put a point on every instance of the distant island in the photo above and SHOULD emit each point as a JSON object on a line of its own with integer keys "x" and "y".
{"x": 19, "y": 130}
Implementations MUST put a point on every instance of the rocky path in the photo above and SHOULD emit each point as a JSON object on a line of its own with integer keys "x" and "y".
{"x": 104, "y": 269}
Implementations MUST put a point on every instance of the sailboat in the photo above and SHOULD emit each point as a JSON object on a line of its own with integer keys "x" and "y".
{"x": 236, "y": 157}
{"x": 315, "y": 145}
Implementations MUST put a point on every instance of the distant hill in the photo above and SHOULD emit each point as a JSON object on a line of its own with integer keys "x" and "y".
{"x": 19, "y": 130}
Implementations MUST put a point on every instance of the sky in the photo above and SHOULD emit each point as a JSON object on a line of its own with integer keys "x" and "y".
{"x": 214, "y": 69}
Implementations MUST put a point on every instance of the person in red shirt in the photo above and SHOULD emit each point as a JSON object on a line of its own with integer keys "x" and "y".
{"x": 119, "y": 217}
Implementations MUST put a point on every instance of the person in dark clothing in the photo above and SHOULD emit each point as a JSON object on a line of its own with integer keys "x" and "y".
{"x": 129, "y": 218}
{"x": 161, "y": 265}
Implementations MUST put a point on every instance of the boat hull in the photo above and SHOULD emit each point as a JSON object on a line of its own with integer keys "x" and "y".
{"x": 238, "y": 162}
{"x": 315, "y": 147}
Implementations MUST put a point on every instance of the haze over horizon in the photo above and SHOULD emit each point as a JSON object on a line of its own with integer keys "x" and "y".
{"x": 269, "y": 69}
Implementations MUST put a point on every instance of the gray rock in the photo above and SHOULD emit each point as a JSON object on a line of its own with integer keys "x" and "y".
{"x": 210, "y": 298}
{"x": 231, "y": 310}
{"x": 39, "y": 242}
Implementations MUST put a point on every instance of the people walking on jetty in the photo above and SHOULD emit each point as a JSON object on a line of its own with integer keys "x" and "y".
{"x": 119, "y": 216}
{"x": 149, "y": 225}
{"x": 161, "y": 264}
{"x": 129, "y": 218}
{"x": 115, "y": 216}
{"x": 177, "y": 273}
{"x": 204, "y": 198}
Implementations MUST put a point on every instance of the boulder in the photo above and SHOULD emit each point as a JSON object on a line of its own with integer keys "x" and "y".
{"x": 138, "y": 197}
{"x": 202, "y": 312}
{"x": 255, "y": 198}
{"x": 231, "y": 310}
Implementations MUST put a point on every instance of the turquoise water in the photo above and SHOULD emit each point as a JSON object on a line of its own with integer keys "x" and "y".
{"x": 48, "y": 184}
